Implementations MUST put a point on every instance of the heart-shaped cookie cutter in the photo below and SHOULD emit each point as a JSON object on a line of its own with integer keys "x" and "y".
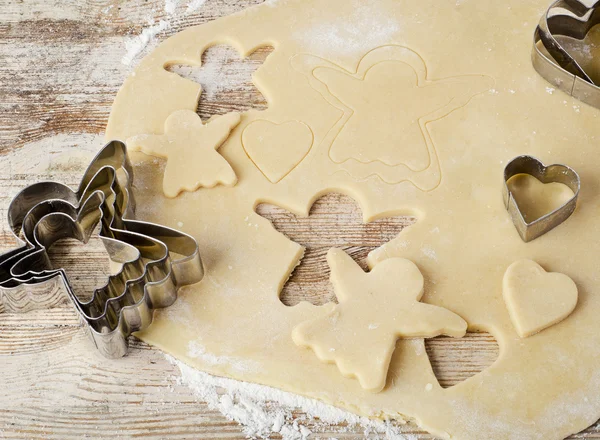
{"x": 571, "y": 18}
{"x": 149, "y": 278}
{"x": 546, "y": 174}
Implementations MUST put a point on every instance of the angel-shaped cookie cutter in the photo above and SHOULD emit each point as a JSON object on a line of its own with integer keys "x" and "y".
{"x": 571, "y": 18}
{"x": 544, "y": 173}
{"x": 149, "y": 277}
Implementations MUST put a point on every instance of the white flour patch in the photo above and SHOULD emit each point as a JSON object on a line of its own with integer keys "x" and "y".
{"x": 194, "y": 5}
{"x": 429, "y": 253}
{"x": 197, "y": 351}
{"x": 367, "y": 28}
{"x": 180, "y": 312}
{"x": 135, "y": 45}
{"x": 263, "y": 411}
{"x": 418, "y": 345}
{"x": 216, "y": 75}
{"x": 170, "y": 6}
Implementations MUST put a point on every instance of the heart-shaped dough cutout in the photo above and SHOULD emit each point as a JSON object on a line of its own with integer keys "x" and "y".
{"x": 276, "y": 149}
{"x": 537, "y": 299}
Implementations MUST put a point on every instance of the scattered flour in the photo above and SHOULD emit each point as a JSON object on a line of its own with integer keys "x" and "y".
{"x": 197, "y": 351}
{"x": 216, "y": 75}
{"x": 429, "y": 253}
{"x": 194, "y": 5}
{"x": 137, "y": 44}
{"x": 263, "y": 411}
{"x": 170, "y": 6}
{"x": 368, "y": 28}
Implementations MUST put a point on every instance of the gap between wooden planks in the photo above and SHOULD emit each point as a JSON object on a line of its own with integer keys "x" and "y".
{"x": 60, "y": 72}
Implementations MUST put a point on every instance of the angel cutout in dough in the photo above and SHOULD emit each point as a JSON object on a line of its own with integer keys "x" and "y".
{"x": 190, "y": 149}
{"x": 390, "y": 94}
{"x": 375, "y": 309}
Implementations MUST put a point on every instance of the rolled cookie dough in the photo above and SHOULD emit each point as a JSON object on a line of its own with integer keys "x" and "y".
{"x": 546, "y": 386}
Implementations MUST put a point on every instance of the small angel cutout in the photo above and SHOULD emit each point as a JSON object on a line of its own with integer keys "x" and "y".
{"x": 375, "y": 309}
{"x": 393, "y": 100}
{"x": 190, "y": 149}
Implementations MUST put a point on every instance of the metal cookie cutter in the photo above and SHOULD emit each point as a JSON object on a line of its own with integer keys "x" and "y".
{"x": 149, "y": 277}
{"x": 545, "y": 174}
{"x": 571, "y": 18}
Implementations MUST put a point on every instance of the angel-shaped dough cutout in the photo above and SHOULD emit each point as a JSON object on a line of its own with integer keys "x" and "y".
{"x": 190, "y": 149}
{"x": 389, "y": 94}
{"x": 375, "y": 309}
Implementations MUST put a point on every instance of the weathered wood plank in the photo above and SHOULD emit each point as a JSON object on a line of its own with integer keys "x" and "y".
{"x": 235, "y": 92}
{"x": 335, "y": 220}
{"x": 62, "y": 64}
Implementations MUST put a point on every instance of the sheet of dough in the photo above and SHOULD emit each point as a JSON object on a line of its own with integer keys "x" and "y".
{"x": 542, "y": 387}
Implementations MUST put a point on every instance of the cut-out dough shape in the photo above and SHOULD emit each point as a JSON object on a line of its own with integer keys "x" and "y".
{"x": 375, "y": 309}
{"x": 223, "y": 74}
{"x": 190, "y": 149}
{"x": 276, "y": 149}
{"x": 403, "y": 148}
{"x": 536, "y": 199}
{"x": 334, "y": 220}
{"x": 537, "y": 299}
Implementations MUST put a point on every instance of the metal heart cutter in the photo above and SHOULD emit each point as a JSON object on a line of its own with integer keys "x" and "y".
{"x": 156, "y": 260}
{"x": 570, "y": 18}
{"x": 545, "y": 174}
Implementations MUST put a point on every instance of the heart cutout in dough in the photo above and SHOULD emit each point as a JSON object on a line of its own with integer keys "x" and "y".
{"x": 537, "y": 299}
{"x": 557, "y": 185}
{"x": 276, "y": 149}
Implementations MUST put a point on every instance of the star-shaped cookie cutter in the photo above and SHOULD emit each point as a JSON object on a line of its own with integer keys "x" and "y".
{"x": 546, "y": 174}
{"x": 571, "y": 18}
{"x": 149, "y": 277}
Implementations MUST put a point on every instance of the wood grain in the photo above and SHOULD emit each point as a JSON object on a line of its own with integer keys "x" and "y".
{"x": 61, "y": 68}
{"x": 238, "y": 93}
{"x": 335, "y": 220}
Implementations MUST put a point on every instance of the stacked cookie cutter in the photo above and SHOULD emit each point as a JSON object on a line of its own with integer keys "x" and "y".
{"x": 575, "y": 19}
{"x": 570, "y": 18}
{"x": 150, "y": 275}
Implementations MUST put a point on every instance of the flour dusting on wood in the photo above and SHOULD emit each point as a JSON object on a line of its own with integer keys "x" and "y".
{"x": 170, "y": 6}
{"x": 194, "y": 5}
{"x": 137, "y": 44}
{"x": 263, "y": 411}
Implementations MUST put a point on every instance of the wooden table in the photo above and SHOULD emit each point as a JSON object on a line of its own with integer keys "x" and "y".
{"x": 61, "y": 66}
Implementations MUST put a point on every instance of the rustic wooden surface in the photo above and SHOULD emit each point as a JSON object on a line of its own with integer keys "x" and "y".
{"x": 59, "y": 72}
